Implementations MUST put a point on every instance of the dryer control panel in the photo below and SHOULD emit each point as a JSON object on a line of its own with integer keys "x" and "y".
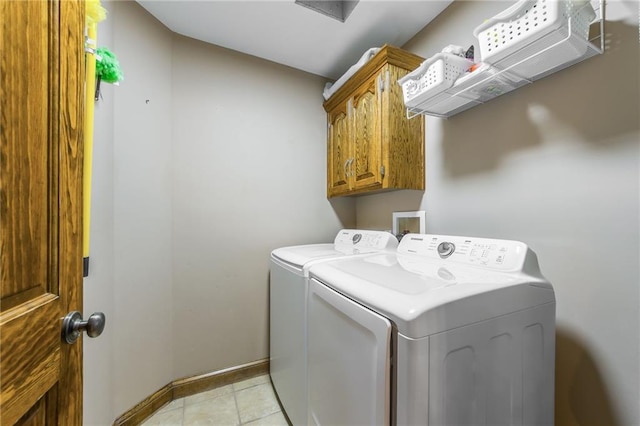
{"x": 363, "y": 241}
{"x": 503, "y": 255}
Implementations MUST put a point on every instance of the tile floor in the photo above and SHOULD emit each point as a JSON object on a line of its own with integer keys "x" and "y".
{"x": 250, "y": 402}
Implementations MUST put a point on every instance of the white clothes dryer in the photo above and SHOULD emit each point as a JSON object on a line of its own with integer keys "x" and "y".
{"x": 288, "y": 291}
{"x": 447, "y": 331}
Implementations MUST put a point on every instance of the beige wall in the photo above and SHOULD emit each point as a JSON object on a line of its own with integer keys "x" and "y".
{"x": 130, "y": 276}
{"x": 556, "y": 165}
{"x": 205, "y": 160}
{"x": 249, "y": 159}
{"x": 142, "y": 210}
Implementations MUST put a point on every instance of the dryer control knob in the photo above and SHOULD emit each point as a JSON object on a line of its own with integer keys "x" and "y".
{"x": 446, "y": 249}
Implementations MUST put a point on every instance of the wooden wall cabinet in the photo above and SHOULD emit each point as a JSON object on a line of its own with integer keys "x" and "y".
{"x": 371, "y": 145}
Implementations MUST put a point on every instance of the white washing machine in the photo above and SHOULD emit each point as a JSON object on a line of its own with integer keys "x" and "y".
{"x": 447, "y": 331}
{"x": 288, "y": 309}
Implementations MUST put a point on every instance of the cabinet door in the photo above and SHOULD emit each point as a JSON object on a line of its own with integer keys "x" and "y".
{"x": 403, "y": 139}
{"x": 367, "y": 130}
{"x": 338, "y": 151}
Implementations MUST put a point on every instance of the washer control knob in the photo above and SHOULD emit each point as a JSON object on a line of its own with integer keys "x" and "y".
{"x": 446, "y": 249}
{"x": 356, "y": 238}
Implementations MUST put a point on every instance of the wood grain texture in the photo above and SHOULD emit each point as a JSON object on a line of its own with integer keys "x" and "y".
{"x": 189, "y": 386}
{"x": 41, "y": 88}
{"x": 366, "y": 135}
{"x": 387, "y": 55}
{"x": 36, "y": 416}
{"x": 338, "y": 149}
{"x": 24, "y": 175}
{"x": 71, "y": 133}
{"x": 404, "y": 148}
{"x": 379, "y": 133}
{"x": 29, "y": 356}
{"x": 54, "y": 146}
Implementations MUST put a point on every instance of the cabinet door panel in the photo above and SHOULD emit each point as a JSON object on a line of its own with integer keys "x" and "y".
{"x": 366, "y": 127}
{"x": 403, "y": 146}
{"x": 338, "y": 151}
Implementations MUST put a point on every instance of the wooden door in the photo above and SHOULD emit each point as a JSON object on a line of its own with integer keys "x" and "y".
{"x": 338, "y": 151}
{"x": 367, "y": 131}
{"x": 41, "y": 104}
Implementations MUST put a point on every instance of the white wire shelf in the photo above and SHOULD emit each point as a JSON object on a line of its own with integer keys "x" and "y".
{"x": 492, "y": 80}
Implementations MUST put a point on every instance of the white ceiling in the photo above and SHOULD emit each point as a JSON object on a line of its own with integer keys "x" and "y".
{"x": 284, "y": 32}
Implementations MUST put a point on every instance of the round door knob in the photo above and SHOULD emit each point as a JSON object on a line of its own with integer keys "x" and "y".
{"x": 73, "y": 325}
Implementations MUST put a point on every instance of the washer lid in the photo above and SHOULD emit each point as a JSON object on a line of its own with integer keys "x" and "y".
{"x": 426, "y": 297}
{"x": 346, "y": 243}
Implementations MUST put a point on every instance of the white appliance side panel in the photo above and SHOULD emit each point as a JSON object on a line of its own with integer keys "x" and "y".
{"x": 412, "y": 381}
{"x": 538, "y": 367}
{"x": 287, "y": 357}
{"x": 348, "y": 361}
{"x": 499, "y": 371}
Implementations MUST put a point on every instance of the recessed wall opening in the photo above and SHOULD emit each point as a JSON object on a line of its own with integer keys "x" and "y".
{"x": 339, "y": 9}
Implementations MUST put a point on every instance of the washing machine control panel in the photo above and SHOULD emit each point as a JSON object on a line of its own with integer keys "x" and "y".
{"x": 364, "y": 241}
{"x": 482, "y": 252}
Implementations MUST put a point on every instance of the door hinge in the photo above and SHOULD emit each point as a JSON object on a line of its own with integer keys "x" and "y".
{"x": 381, "y": 170}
